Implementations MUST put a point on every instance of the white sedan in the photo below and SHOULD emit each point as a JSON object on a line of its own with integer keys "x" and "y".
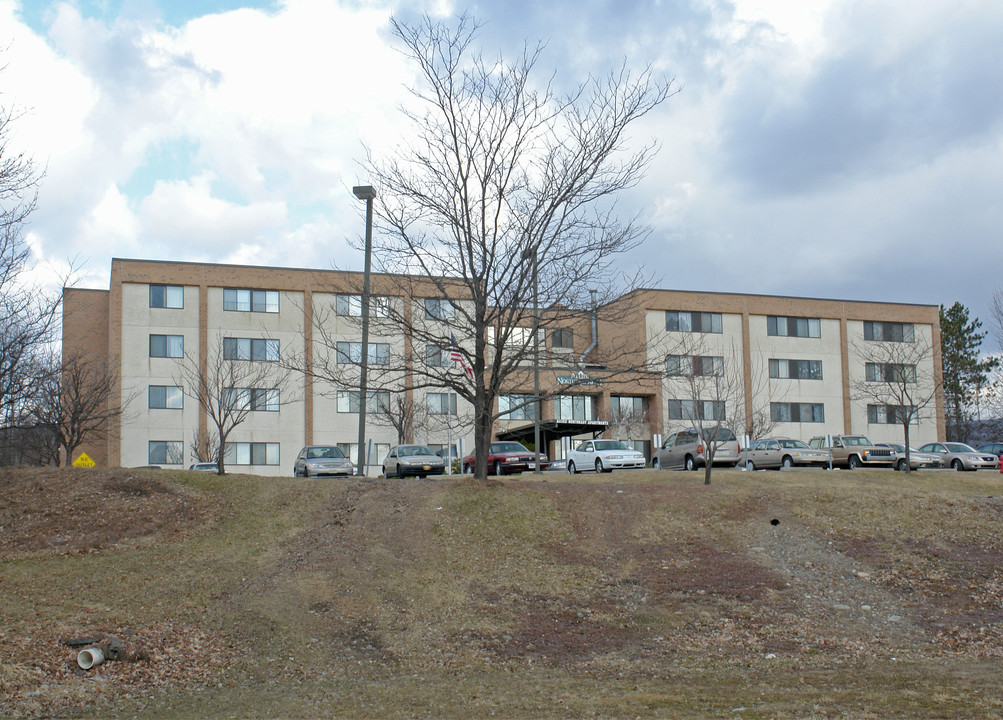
{"x": 603, "y": 456}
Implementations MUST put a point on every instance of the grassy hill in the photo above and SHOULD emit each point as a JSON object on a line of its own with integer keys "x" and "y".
{"x": 804, "y": 594}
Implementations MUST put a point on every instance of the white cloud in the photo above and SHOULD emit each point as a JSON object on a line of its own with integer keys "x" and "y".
{"x": 807, "y": 135}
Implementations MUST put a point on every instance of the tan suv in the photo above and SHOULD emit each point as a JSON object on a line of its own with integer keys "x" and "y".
{"x": 855, "y": 451}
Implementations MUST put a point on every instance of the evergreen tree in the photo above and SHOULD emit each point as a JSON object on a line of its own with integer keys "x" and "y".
{"x": 965, "y": 373}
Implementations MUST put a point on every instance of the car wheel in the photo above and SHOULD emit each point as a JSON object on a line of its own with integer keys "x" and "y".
{"x": 654, "y": 463}
{"x": 572, "y": 470}
{"x": 958, "y": 465}
{"x": 467, "y": 470}
{"x": 901, "y": 465}
{"x": 690, "y": 463}
{"x": 853, "y": 462}
{"x": 788, "y": 462}
{"x": 599, "y": 467}
{"x": 498, "y": 467}
{"x": 749, "y": 465}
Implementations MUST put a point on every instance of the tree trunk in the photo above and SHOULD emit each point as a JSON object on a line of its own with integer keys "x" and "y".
{"x": 908, "y": 454}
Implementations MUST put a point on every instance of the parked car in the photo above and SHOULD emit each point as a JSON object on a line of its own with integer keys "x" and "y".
{"x": 205, "y": 467}
{"x": 603, "y": 456}
{"x": 558, "y": 465}
{"x": 961, "y": 456}
{"x": 782, "y": 452}
{"x": 316, "y": 460}
{"x": 508, "y": 457}
{"x": 853, "y": 451}
{"x": 917, "y": 459}
{"x": 686, "y": 449}
{"x": 419, "y": 460}
{"x": 996, "y": 448}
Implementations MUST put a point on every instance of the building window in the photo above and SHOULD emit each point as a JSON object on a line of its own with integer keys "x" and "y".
{"x": 254, "y": 399}
{"x": 627, "y": 406}
{"x": 676, "y": 321}
{"x": 889, "y": 332}
{"x": 242, "y": 300}
{"x": 696, "y": 410}
{"x": 797, "y": 412}
{"x": 166, "y": 452}
{"x": 351, "y": 306}
{"x": 575, "y": 407}
{"x": 441, "y": 403}
{"x": 251, "y": 453}
{"x": 436, "y": 356}
{"x": 439, "y": 309}
{"x": 562, "y": 338}
{"x": 795, "y": 369}
{"x": 890, "y": 372}
{"x": 350, "y": 353}
{"x": 165, "y": 397}
{"x": 167, "y": 346}
{"x": 167, "y": 296}
{"x": 889, "y": 414}
{"x": 255, "y": 349}
{"x": 685, "y": 365}
{"x": 377, "y": 401}
{"x": 793, "y": 327}
{"x": 516, "y": 407}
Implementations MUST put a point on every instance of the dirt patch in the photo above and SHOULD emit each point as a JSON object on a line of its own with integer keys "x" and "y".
{"x": 73, "y": 511}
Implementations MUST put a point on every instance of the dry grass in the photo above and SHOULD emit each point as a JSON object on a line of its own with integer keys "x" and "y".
{"x": 645, "y": 594}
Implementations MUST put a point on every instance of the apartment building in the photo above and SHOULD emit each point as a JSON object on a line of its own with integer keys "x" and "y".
{"x": 788, "y": 366}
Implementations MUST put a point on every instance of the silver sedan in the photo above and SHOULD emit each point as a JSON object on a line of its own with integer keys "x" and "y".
{"x": 961, "y": 456}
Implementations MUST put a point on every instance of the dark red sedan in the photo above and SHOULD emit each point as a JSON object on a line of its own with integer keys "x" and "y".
{"x": 508, "y": 457}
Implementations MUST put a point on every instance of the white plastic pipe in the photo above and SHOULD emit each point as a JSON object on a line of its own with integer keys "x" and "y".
{"x": 90, "y": 657}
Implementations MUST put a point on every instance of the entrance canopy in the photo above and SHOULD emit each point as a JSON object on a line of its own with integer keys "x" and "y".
{"x": 554, "y": 430}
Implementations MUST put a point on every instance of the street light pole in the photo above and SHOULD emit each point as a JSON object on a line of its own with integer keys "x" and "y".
{"x": 367, "y": 193}
{"x": 532, "y": 254}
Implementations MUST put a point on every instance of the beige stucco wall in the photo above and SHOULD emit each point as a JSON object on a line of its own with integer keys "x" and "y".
{"x": 140, "y": 423}
{"x": 828, "y": 390}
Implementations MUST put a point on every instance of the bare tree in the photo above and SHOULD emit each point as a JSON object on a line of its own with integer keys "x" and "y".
{"x": 760, "y": 419}
{"x": 205, "y": 446}
{"x": 27, "y": 315}
{"x": 705, "y": 391}
{"x": 898, "y": 383}
{"x": 505, "y": 194}
{"x": 402, "y": 413}
{"x": 628, "y": 424}
{"x": 234, "y": 383}
{"x": 76, "y": 401}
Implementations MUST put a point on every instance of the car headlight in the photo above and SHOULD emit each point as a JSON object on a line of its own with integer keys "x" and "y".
{"x": 511, "y": 459}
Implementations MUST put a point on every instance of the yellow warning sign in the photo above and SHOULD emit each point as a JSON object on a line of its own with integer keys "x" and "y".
{"x": 84, "y": 461}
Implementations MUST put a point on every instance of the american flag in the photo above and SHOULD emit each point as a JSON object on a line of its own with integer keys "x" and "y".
{"x": 456, "y": 355}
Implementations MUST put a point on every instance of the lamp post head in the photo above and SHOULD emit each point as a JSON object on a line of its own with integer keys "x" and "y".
{"x": 364, "y": 192}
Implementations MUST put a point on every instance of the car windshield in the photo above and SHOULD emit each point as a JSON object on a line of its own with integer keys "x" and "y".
{"x": 959, "y": 448}
{"x": 507, "y": 447}
{"x": 856, "y": 440}
{"x": 610, "y": 445}
{"x": 324, "y": 452}
{"x": 411, "y": 450}
{"x": 793, "y": 444}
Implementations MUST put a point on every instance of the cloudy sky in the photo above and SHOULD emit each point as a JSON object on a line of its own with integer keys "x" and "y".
{"x": 825, "y": 148}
